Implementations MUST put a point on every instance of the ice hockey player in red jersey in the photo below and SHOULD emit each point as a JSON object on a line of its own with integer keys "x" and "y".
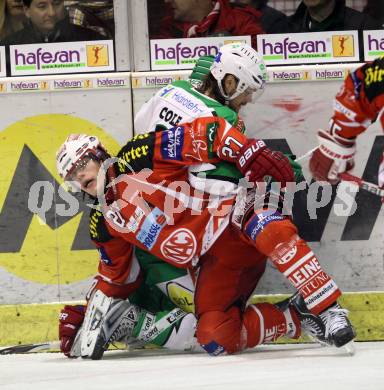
{"x": 195, "y": 234}
{"x": 236, "y": 70}
{"x": 357, "y": 105}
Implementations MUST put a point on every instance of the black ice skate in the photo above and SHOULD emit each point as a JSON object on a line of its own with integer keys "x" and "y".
{"x": 311, "y": 324}
{"x": 338, "y": 329}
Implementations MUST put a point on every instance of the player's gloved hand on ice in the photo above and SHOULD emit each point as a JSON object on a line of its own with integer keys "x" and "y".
{"x": 334, "y": 155}
{"x": 70, "y": 320}
{"x": 257, "y": 161}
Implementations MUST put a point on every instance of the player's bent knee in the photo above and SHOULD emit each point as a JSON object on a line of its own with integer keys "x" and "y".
{"x": 219, "y": 332}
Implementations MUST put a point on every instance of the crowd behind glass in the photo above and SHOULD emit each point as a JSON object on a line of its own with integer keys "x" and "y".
{"x": 44, "y": 21}
{"x": 197, "y": 18}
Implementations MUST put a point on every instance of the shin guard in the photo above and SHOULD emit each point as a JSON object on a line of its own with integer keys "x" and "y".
{"x": 300, "y": 266}
{"x": 276, "y": 237}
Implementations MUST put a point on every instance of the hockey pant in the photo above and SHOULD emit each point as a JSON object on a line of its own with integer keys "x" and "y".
{"x": 228, "y": 275}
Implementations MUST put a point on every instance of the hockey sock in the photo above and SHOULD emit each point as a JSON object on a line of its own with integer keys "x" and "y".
{"x": 264, "y": 322}
{"x": 293, "y": 323}
{"x": 276, "y": 237}
{"x": 300, "y": 266}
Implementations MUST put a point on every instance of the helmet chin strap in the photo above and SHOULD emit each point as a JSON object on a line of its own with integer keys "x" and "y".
{"x": 227, "y": 97}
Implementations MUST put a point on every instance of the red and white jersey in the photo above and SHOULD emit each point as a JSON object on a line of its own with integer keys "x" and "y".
{"x": 359, "y": 101}
{"x": 149, "y": 203}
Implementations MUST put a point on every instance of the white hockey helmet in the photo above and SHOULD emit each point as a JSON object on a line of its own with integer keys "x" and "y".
{"x": 74, "y": 149}
{"x": 245, "y": 63}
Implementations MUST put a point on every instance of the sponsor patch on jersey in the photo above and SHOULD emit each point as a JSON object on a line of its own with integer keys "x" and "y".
{"x": 172, "y": 142}
{"x": 180, "y": 246}
{"x": 151, "y": 228}
{"x": 185, "y": 101}
{"x": 134, "y": 221}
{"x": 211, "y": 135}
{"x": 374, "y": 78}
{"x": 181, "y": 296}
{"x": 166, "y": 91}
{"x": 174, "y": 315}
{"x": 97, "y": 227}
{"x": 259, "y": 221}
{"x": 338, "y": 107}
{"x": 239, "y": 125}
{"x": 213, "y": 348}
{"x": 137, "y": 154}
{"x": 151, "y": 334}
{"x": 104, "y": 257}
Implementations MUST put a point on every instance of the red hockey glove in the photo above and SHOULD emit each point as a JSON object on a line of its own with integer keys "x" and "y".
{"x": 334, "y": 155}
{"x": 70, "y": 320}
{"x": 258, "y": 161}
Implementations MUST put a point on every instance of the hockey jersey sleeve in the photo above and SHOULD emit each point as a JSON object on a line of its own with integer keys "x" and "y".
{"x": 359, "y": 101}
{"x": 205, "y": 140}
{"x": 118, "y": 271}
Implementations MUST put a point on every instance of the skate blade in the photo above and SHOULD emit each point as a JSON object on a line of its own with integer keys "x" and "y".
{"x": 349, "y": 348}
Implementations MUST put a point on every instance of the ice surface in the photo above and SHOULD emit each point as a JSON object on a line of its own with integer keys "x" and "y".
{"x": 278, "y": 367}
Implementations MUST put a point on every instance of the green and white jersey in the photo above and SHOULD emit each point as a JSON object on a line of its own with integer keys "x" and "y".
{"x": 179, "y": 103}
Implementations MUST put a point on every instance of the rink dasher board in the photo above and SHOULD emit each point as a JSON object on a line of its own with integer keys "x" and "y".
{"x": 38, "y": 323}
{"x": 137, "y": 80}
{"x": 290, "y": 108}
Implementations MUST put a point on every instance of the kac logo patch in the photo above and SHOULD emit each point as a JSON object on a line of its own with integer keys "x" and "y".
{"x": 180, "y": 246}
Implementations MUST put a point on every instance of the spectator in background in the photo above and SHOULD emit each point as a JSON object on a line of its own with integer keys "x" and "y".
{"x": 201, "y": 18}
{"x": 47, "y": 21}
{"x": 11, "y": 17}
{"x": 329, "y": 15}
{"x": 272, "y": 20}
{"x": 375, "y": 9}
{"x": 157, "y": 11}
{"x": 94, "y": 15}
